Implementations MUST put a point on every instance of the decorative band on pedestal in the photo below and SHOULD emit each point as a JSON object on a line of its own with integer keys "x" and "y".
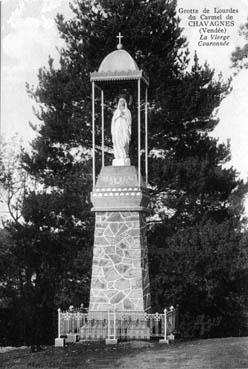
{"x": 117, "y": 188}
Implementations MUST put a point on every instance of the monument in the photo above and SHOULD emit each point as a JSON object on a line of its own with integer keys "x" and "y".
{"x": 120, "y": 276}
{"x": 120, "y": 302}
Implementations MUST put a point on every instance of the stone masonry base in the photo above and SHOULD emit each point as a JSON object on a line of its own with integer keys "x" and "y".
{"x": 120, "y": 277}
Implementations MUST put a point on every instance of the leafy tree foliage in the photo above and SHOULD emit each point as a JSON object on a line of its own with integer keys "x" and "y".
{"x": 240, "y": 55}
{"x": 239, "y": 64}
{"x": 194, "y": 229}
{"x": 13, "y": 179}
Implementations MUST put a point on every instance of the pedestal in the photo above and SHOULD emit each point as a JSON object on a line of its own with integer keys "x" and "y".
{"x": 120, "y": 277}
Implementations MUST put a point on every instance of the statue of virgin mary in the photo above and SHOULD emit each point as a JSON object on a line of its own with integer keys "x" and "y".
{"x": 121, "y": 133}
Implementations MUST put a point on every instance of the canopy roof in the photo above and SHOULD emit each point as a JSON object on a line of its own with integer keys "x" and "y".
{"x": 118, "y": 61}
{"x": 117, "y": 66}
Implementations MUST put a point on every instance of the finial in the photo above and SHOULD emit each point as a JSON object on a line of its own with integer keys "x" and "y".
{"x": 119, "y": 46}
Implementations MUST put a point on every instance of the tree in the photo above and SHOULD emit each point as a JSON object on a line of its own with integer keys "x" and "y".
{"x": 12, "y": 188}
{"x": 240, "y": 55}
{"x": 192, "y": 213}
{"x": 13, "y": 179}
{"x": 240, "y": 64}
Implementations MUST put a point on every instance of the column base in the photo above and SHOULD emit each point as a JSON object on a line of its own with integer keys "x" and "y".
{"x": 164, "y": 341}
{"x": 59, "y": 342}
{"x": 110, "y": 341}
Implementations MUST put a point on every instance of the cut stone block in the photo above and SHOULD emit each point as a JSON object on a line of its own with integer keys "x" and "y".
{"x": 59, "y": 342}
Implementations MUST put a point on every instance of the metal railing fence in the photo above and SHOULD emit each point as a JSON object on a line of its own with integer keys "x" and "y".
{"x": 122, "y": 325}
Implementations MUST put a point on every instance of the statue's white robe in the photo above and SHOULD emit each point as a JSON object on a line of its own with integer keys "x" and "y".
{"x": 121, "y": 132}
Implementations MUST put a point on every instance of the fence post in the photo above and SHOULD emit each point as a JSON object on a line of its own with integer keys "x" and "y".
{"x": 111, "y": 340}
{"x": 59, "y": 342}
{"x": 165, "y": 324}
{"x": 114, "y": 325}
{"x": 164, "y": 340}
{"x": 173, "y": 323}
{"x": 59, "y": 311}
{"x": 109, "y": 322}
{"x": 172, "y": 310}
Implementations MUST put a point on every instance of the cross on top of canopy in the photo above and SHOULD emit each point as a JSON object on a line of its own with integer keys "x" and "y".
{"x": 118, "y": 66}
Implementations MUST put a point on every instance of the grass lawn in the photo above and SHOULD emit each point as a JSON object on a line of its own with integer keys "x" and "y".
{"x": 223, "y": 353}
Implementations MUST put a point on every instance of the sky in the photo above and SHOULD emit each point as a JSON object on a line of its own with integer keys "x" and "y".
{"x": 233, "y": 111}
{"x": 29, "y": 36}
